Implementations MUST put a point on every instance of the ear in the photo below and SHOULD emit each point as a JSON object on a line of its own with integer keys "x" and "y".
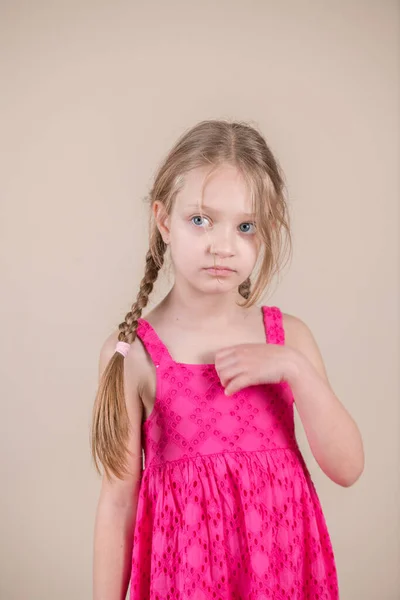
{"x": 161, "y": 218}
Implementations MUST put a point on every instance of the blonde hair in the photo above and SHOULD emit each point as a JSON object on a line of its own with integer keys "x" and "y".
{"x": 215, "y": 143}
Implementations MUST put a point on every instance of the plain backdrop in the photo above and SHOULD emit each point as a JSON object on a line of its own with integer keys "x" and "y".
{"x": 93, "y": 95}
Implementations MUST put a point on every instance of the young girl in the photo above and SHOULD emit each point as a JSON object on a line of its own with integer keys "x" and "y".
{"x": 225, "y": 507}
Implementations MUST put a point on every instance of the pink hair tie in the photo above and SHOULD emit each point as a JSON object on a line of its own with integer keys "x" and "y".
{"x": 122, "y": 348}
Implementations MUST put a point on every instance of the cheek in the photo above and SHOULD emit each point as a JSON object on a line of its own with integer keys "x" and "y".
{"x": 249, "y": 248}
{"x": 186, "y": 244}
{"x": 185, "y": 235}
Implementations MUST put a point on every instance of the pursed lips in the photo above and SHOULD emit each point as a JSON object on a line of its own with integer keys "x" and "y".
{"x": 219, "y": 268}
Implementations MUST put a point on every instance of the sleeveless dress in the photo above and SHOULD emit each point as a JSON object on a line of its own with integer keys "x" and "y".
{"x": 227, "y": 509}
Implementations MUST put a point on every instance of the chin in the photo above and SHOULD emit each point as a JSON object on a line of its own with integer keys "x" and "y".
{"x": 217, "y": 286}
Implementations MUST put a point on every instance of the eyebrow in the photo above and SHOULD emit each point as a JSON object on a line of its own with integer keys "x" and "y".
{"x": 217, "y": 212}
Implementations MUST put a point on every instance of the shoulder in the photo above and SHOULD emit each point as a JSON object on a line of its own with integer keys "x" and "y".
{"x": 107, "y": 351}
{"x": 299, "y": 336}
{"x": 293, "y": 329}
{"x": 135, "y": 362}
{"x": 296, "y": 330}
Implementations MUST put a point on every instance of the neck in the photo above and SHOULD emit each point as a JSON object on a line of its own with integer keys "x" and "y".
{"x": 202, "y": 309}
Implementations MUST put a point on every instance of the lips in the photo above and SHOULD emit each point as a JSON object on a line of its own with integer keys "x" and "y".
{"x": 219, "y": 271}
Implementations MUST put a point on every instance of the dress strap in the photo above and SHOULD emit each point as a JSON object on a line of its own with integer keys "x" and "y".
{"x": 273, "y": 323}
{"x": 154, "y": 346}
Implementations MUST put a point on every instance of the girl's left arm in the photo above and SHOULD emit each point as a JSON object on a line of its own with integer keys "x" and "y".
{"x": 334, "y": 437}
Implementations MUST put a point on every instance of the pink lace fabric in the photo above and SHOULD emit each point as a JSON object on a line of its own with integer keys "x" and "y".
{"x": 227, "y": 509}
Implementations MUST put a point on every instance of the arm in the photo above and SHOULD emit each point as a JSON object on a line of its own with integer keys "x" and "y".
{"x": 117, "y": 505}
{"x": 334, "y": 438}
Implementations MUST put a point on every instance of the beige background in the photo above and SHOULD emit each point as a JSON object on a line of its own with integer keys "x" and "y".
{"x": 93, "y": 95}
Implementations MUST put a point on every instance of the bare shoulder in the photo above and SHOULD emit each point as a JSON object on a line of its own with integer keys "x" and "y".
{"x": 299, "y": 336}
{"x": 107, "y": 351}
{"x": 295, "y": 329}
{"x": 135, "y": 362}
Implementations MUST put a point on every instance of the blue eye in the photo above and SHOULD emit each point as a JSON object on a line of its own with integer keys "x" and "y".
{"x": 249, "y": 225}
{"x": 201, "y": 221}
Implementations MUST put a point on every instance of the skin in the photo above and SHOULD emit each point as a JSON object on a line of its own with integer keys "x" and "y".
{"x": 219, "y": 231}
{"x": 203, "y": 307}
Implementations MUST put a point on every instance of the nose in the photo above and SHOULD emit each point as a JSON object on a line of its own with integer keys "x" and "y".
{"x": 221, "y": 242}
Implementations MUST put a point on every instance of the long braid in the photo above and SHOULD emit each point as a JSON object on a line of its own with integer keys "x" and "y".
{"x": 128, "y": 327}
{"x": 110, "y": 428}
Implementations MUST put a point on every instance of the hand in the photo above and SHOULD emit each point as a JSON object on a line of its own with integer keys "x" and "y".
{"x": 253, "y": 364}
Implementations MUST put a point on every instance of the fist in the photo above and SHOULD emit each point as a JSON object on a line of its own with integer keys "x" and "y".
{"x": 244, "y": 365}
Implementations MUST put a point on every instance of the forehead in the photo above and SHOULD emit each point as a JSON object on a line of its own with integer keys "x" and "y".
{"x": 224, "y": 189}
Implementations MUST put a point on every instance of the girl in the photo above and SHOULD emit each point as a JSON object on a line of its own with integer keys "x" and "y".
{"x": 225, "y": 507}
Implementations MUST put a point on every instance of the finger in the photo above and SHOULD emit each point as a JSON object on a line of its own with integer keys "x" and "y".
{"x": 236, "y": 384}
{"x": 227, "y": 374}
{"x": 223, "y": 352}
{"x": 230, "y": 362}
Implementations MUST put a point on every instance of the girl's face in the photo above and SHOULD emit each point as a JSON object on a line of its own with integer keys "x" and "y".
{"x": 220, "y": 232}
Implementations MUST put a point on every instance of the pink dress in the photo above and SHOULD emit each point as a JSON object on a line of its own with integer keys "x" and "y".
{"x": 227, "y": 509}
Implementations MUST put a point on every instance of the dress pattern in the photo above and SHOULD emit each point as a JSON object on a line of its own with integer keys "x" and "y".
{"x": 227, "y": 509}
